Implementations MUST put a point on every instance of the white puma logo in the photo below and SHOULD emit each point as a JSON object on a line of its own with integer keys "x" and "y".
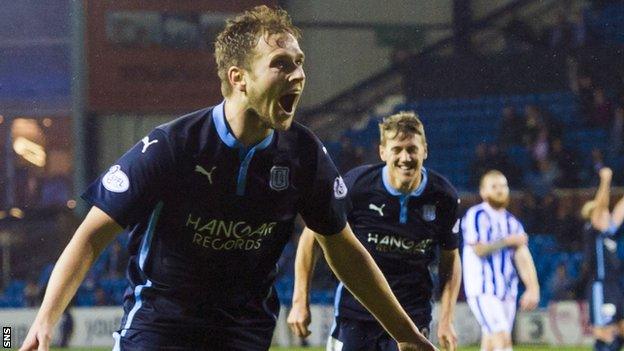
{"x": 203, "y": 171}
{"x": 378, "y": 209}
{"x": 146, "y": 143}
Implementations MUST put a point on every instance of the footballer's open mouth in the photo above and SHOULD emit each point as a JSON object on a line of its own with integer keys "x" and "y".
{"x": 287, "y": 102}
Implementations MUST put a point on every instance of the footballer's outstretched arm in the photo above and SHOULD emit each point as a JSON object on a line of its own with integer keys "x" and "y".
{"x": 307, "y": 254}
{"x": 92, "y": 236}
{"x": 450, "y": 280}
{"x": 618, "y": 213}
{"x": 526, "y": 269}
{"x": 354, "y": 266}
{"x": 600, "y": 217}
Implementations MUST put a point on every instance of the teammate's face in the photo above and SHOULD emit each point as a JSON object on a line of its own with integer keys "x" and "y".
{"x": 404, "y": 156}
{"x": 495, "y": 191}
{"x": 275, "y": 80}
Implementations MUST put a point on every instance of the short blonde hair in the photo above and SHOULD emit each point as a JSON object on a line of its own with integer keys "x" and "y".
{"x": 489, "y": 174}
{"x": 234, "y": 45}
{"x": 402, "y": 124}
{"x": 587, "y": 209}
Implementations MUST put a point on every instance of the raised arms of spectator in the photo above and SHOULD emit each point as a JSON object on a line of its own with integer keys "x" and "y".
{"x": 526, "y": 269}
{"x": 299, "y": 317}
{"x": 354, "y": 266}
{"x": 450, "y": 279}
{"x": 92, "y": 236}
{"x": 600, "y": 217}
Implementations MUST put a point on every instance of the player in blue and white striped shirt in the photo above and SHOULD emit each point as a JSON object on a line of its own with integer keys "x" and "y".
{"x": 495, "y": 241}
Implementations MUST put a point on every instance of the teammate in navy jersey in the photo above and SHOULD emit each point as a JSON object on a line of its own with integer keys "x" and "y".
{"x": 602, "y": 268}
{"x": 402, "y": 213}
{"x": 209, "y": 201}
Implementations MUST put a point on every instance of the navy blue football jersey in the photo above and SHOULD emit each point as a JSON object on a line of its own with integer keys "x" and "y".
{"x": 601, "y": 257}
{"x": 402, "y": 232}
{"x": 208, "y": 217}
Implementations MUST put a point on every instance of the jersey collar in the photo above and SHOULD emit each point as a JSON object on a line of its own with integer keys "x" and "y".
{"x": 225, "y": 133}
{"x": 416, "y": 192}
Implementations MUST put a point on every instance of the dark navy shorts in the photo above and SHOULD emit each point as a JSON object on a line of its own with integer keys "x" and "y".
{"x": 355, "y": 335}
{"x": 217, "y": 339}
{"x": 606, "y": 303}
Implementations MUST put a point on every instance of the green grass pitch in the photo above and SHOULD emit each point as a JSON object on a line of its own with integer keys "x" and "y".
{"x": 516, "y": 348}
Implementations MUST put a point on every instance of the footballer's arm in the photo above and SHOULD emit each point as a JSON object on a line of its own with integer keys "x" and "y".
{"x": 93, "y": 235}
{"x": 354, "y": 266}
{"x": 450, "y": 279}
{"x": 600, "y": 217}
{"x": 526, "y": 269}
{"x": 514, "y": 240}
{"x": 307, "y": 254}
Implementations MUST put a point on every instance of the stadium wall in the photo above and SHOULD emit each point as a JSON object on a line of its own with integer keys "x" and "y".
{"x": 562, "y": 324}
{"x": 332, "y": 66}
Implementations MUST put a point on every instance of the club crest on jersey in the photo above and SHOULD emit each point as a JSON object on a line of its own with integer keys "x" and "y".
{"x": 429, "y": 213}
{"x": 116, "y": 180}
{"x": 279, "y": 178}
{"x": 340, "y": 188}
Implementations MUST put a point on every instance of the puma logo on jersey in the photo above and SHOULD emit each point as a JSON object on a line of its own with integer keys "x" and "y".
{"x": 202, "y": 170}
{"x": 146, "y": 143}
{"x": 378, "y": 209}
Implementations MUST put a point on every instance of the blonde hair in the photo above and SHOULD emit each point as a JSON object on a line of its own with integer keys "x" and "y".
{"x": 489, "y": 174}
{"x": 587, "y": 209}
{"x": 403, "y": 124}
{"x": 235, "y": 43}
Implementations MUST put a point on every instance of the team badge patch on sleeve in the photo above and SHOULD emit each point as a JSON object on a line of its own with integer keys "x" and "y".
{"x": 456, "y": 227}
{"x": 429, "y": 213}
{"x": 279, "y": 178}
{"x": 340, "y": 188}
{"x": 116, "y": 180}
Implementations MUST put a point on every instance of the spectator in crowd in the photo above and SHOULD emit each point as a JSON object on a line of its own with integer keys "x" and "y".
{"x": 31, "y": 293}
{"x": 510, "y": 133}
{"x": 561, "y": 285}
{"x": 499, "y": 160}
{"x": 567, "y": 163}
{"x": 541, "y": 180}
{"x": 116, "y": 260}
{"x": 349, "y": 156}
{"x": 540, "y": 147}
{"x": 528, "y": 212}
{"x": 617, "y": 133}
{"x": 581, "y": 37}
{"x": 519, "y": 36}
{"x": 568, "y": 224}
{"x": 596, "y": 163}
{"x": 602, "y": 112}
{"x": 101, "y": 298}
{"x": 547, "y": 210}
{"x": 560, "y": 38}
{"x": 479, "y": 165}
{"x": 533, "y": 124}
{"x": 585, "y": 95}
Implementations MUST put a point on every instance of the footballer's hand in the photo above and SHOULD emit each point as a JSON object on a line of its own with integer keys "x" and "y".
{"x": 38, "y": 338}
{"x": 447, "y": 336}
{"x": 517, "y": 240}
{"x": 529, "y": 300}
{"x": 299, "y": 319}
{"x": 421, "y": 346}
{"x": 605, "y": 173}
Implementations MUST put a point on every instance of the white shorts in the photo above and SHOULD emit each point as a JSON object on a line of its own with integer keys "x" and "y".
{"x": 493, "y": 314}
{"x": 333, "y": 344}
